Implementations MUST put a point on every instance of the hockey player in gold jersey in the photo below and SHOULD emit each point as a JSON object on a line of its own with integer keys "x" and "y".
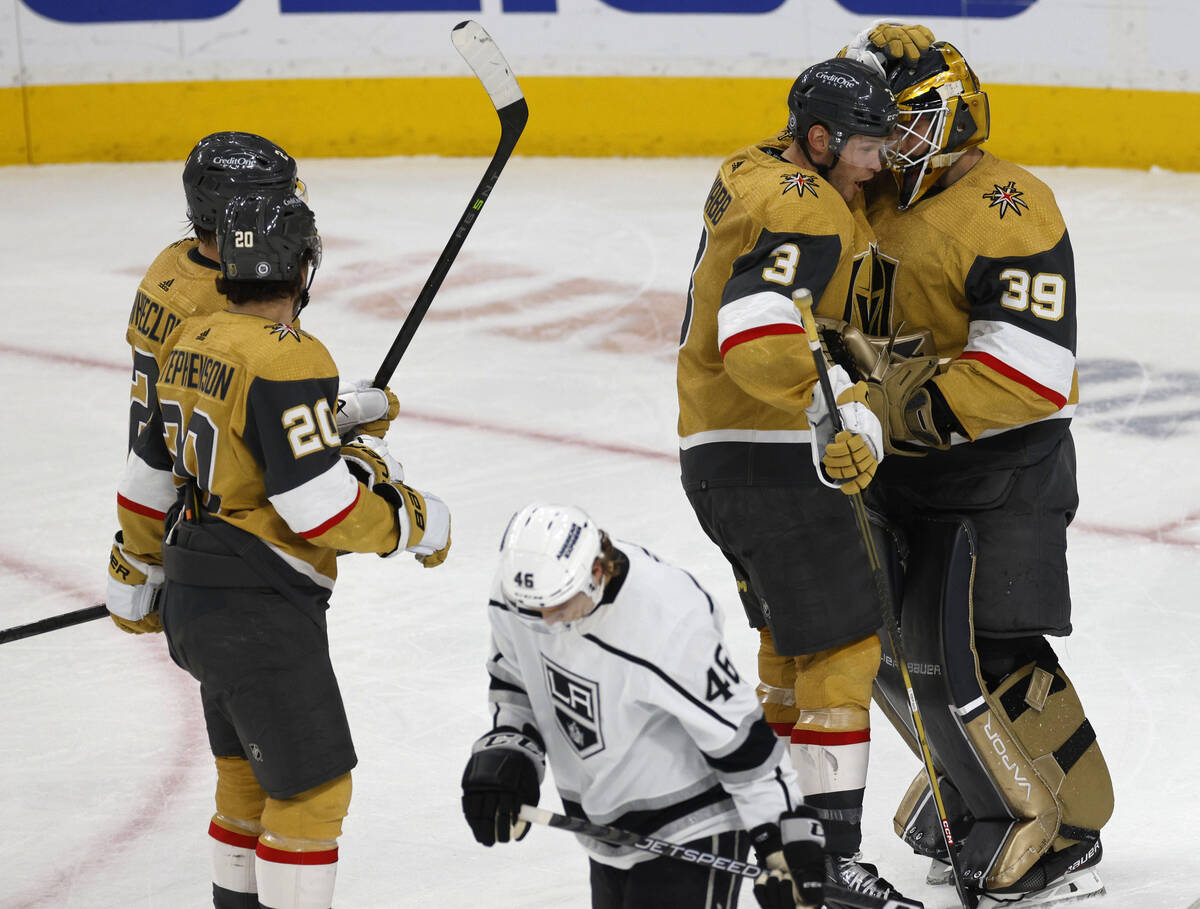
{"x": 181, "y": 282}
{"x": 242, "y": 465}
{"x": 985, "y": 264}
{"x": 782, "y": 215}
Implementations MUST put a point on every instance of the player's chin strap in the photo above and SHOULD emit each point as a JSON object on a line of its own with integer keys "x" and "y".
{"x": 945, "y": 159}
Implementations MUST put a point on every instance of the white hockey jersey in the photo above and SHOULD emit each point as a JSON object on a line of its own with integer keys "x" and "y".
{"x": 645, "y": 720}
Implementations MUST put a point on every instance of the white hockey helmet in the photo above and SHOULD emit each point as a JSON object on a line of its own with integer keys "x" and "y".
{"x": 547, "y": 556}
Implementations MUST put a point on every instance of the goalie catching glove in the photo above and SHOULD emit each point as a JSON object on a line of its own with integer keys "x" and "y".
{"x": 910, "y": 407}
{"x": 363, "y": 409}
{"x": 793, "y": 854}
{"x": 424, "y": 519}
{"x": 884, "y": 44}
{"x": 847, "y": 460}
{"x": 505, "y": 772}
{"x": 133, "y": 591}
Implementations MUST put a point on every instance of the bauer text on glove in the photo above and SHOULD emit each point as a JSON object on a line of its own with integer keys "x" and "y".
{"x": 133, "y": 591}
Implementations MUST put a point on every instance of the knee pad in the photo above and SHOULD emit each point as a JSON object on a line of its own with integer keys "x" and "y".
{"x": 314, "y": 816}
{"x": 1018, "y": 749}
{"x": 777, "y": 686}
{"x": 838, "y": 678}
{"x": 240, "y": 799}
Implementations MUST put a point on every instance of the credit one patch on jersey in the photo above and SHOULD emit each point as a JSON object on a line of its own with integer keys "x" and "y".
{"x": 576, "y": 707}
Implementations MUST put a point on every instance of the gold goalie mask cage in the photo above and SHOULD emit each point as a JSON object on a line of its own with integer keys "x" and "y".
{"x": 943, "y": 112}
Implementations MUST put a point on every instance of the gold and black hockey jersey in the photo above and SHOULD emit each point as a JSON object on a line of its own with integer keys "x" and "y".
{"x": 986, "y": 265}
{"x": 745, "y": 371}
{"x": 246, "y": 412}
{"x": 179, "y": 283}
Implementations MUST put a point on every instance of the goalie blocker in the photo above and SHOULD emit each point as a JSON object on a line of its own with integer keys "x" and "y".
{"x": 1026, "y": 778}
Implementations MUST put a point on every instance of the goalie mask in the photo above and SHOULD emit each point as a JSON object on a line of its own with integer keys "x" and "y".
{"x": 228, "y": 164}
{"x": 548, "y": 563}
{"x": 943, "y": 112}
{"x": 845, "y": 96}
{"x": 268, "y": 238}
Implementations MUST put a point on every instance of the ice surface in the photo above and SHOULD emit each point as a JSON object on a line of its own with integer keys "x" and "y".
{"x": 544, "y": 370}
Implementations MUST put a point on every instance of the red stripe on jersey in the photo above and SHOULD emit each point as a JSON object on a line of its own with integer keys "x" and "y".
{"x": 336, "y": 519}
{"x": 783, "y": 730}
{"x": 780, "y": 328}
{"x": 136, "y": 508}
{"x": 816, "y": 737}
{"x": 1008, "y": 372}
{"x": 279, "y": 857}
{"x": 241, "y": 840}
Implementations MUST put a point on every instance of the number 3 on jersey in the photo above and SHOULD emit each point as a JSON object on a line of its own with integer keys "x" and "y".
{"x": 721, "y": 676}
{"x": 787, "y": 257}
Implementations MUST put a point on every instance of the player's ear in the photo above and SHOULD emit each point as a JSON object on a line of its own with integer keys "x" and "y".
{"x": 818, "y": 139}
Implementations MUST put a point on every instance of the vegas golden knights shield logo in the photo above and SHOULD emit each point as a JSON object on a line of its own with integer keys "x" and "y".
{"x": 869, "y": 299}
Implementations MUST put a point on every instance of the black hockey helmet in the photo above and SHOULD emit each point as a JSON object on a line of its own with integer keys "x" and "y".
{"x": 228, "y": 164}
{"x": 846, "y": 97}
{"x": 268, "y": 237}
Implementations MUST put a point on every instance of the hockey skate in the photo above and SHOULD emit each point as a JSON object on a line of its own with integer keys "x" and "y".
{"x": 849, "y": 872}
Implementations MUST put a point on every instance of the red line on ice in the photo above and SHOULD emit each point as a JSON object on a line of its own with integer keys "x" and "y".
{"x": 165, "y": 777}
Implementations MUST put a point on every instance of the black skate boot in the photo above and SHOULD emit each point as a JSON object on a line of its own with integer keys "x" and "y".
{"x": 1061, "y": 876}
{"x": 848, "y": 872}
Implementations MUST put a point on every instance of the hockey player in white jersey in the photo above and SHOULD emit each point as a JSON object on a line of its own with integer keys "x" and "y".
{"x": 612, "y": 664}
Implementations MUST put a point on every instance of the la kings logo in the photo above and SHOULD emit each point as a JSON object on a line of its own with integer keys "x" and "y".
{"x": 576, "y": 702}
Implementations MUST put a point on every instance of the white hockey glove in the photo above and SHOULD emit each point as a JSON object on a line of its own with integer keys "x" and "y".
{"x": 362, "y": 408}
{"x": 848, "y": 460}
{"x": 133, "y": 591}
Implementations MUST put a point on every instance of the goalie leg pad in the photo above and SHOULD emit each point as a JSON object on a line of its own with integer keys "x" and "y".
{"x": 1009, "y": 747}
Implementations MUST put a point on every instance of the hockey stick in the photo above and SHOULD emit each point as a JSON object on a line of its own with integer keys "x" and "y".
{"x": 803, "y": 301}
{"x": 490, "y": 67}
{"x": 619, "y": 837}
{"x": 55, "y": 622}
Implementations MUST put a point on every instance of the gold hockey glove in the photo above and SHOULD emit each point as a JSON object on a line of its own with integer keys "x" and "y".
{"x": 424, "y": 522}
{"x": 848, "y": 459}
{"x": 900, "y": 41}
{"x": 133, "y": 591}
{"x": 371, "y": 462}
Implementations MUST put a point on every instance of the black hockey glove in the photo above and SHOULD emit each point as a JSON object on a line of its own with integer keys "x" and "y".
{"x": 793, "y": 854}
{"x": 502, "y": 775}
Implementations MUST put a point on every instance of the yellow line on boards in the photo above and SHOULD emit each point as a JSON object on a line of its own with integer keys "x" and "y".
{"x": 584, "y": 116}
